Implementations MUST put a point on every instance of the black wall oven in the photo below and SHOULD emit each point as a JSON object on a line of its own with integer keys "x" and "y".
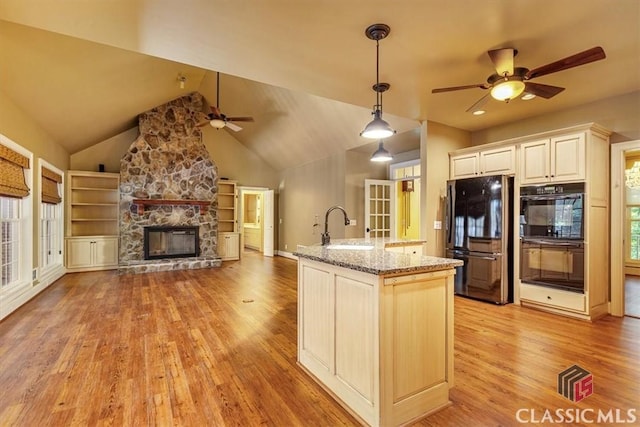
{"x": 552, "y": 236}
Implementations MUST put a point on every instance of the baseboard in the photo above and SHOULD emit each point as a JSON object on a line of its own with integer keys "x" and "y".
{"x": 287, "y": 255}
{"x": 633, "y": 271}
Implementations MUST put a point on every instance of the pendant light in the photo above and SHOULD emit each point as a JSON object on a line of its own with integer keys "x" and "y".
{"x": 381, "y": 155}
{"x": 378, "y": 128}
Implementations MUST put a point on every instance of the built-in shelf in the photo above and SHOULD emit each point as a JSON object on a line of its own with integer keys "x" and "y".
{"x": 141, "y": 203}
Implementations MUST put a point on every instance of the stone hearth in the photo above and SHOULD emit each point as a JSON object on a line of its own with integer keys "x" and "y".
{"x": 168, "y": 162}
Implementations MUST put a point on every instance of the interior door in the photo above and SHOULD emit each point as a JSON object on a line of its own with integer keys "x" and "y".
{"x": 267, "y": 244}
{"x": 379, "y": 208}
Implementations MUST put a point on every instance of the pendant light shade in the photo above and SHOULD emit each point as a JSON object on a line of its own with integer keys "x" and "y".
{"x": 381, "y": 155}
{"x": 378, "y": 128}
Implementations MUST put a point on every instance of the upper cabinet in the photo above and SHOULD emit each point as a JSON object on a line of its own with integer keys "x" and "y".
{"x": 496, "y": 161}
{"x": 553, "y": 159}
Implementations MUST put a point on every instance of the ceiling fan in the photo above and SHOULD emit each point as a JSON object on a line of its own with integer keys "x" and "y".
{"x": 509, "y": 82}
{"x": 218, "y": 120}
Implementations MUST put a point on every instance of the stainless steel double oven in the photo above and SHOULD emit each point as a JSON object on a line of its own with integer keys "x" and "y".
{"x": 552, "y": 236}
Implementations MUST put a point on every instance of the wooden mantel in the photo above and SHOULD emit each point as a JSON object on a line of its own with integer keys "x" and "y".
{"x": 141, "y": 203}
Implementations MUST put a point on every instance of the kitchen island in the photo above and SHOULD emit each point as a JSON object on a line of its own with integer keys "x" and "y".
{"x": 375, "y": 327}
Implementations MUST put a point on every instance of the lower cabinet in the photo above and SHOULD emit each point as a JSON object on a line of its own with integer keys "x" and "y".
{"x": 91, "y": 253}
{"x": 229, "y": 246}
{"x": 382, "y": 345}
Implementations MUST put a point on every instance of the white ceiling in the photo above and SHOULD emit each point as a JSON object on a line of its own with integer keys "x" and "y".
{"x": 303, "y": 70}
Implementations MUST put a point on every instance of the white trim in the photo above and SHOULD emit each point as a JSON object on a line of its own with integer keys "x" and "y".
{"x": 43, "y": 163}
{"x": 617, "y": 223}
{"x": 286, "y": 254}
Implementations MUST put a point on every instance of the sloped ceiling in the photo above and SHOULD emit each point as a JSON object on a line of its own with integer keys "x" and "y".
{"x": 303, "y": 70}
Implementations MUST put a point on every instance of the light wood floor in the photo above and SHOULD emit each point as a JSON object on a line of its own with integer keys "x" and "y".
{"x": 218, "y": 347}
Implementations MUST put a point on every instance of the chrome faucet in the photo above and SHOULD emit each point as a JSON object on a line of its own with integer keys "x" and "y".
{"x": 326, "y": 239}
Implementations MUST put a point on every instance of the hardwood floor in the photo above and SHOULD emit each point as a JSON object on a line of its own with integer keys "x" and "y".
{"x": 632, "y": 296}
{"x": 218, "y": 347}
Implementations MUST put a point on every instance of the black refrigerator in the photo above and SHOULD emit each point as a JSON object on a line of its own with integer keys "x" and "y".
{"x": 479, "y": 233}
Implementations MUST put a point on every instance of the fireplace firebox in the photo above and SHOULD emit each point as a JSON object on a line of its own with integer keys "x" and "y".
{"x": 171, "y": 242}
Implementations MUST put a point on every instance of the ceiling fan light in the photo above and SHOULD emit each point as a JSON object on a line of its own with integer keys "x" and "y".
{"x": 217, "y": 123}
{"x": 507, "y": 89}
{"x": 381, "y": 155}
{"x": 377, "y": 128}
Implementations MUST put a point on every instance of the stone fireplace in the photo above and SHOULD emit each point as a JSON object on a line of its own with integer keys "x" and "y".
{"x": 167, "y": 179}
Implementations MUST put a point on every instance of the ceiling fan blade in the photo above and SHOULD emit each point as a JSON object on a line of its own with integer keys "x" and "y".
{"x": 215, "y": 112}
{"x": 543, "y": 91}
{"x": 478, "y": 105}
{"x": 449, "y": 89}
{"x": 581, "y": 58}
{"x": 240, "y": 119}
{"x": 233, "y": 126}
{"x": 503, "y": 60}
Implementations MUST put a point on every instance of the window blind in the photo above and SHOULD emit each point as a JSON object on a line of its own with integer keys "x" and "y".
{"x": 50, "y": 181}
{"x": 12, "y": 166}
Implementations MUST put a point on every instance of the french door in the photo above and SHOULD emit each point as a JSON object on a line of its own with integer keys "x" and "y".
{"x": 379, "y": 208}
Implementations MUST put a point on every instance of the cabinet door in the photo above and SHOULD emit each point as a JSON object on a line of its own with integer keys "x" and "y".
{"x": 105, "y": 251}
{"x": 79, "y": 253}
{"x": 464, "y": 166}
{"x": 568, "y": 158}
{"x": 229, "y": 246}
{"x": 534, "y": 162}
{"x": 500, "y": 161}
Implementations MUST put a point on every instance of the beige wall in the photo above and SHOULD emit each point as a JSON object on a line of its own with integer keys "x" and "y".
{"x": 439, "y": 140}
{"x": 305, "y": 194}
{"x": 237, "y": 162}
{"x": 21, "y": 129}
{"x": 106, "y": 152}
{"x": 234, "y": 160}
{"x": 619, "y": 114}
{"x": 358, "y": 168}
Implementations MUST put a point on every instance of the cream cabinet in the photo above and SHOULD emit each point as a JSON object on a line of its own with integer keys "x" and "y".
{"x": 579, "y": 154}
{"x": 91, "y": 253}
{"x": 228, "y": 235}
{"x": 92, "y": 225}
{"x": 411, "y": 248}
{"x": 555, "y": 159}
{"x": 495, "y": 161}
{"x": 382, "y": 345}
{"x": 229, "y": 246}
{"x": 227, "y": 206}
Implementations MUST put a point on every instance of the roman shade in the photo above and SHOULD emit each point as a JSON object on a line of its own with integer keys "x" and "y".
{"x": 50, "y": 181}
{"x": 12, "y": 166}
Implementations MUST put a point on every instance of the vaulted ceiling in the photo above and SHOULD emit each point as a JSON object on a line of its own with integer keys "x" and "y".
{"x": 303, "y": 70}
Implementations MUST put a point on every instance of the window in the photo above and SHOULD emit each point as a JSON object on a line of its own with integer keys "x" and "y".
{"x": 10, "y": 246}
{"x": 51, "y": 217}
{"x": 50, "y": 244}
{"x": 633, "y": 233}
{"x": 16, "y": 240}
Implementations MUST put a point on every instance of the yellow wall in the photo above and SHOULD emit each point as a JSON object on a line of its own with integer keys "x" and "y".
{"x": 22, "y": 130}
{"x": 410, "y": 229}
{"x": 106, "y": 152}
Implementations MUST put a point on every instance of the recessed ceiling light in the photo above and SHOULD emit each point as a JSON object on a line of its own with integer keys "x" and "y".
{"x": 527, "y": 96}
{"x": 478, "y": 112}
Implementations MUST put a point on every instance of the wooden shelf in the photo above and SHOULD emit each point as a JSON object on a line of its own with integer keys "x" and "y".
{"x": 141, "y": 203}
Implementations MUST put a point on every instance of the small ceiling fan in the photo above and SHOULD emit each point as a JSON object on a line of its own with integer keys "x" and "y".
{"x": 509, "y": 82}
{"x": 218, "y": 120}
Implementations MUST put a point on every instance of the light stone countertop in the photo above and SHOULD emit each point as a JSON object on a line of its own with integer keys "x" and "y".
{"x": 377, "y": 260}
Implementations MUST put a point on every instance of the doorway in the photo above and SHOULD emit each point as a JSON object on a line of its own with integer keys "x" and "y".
{"x": 406, "y": 176}
{"x": 625, "y": 230}
{"x": 256, "y": 220}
